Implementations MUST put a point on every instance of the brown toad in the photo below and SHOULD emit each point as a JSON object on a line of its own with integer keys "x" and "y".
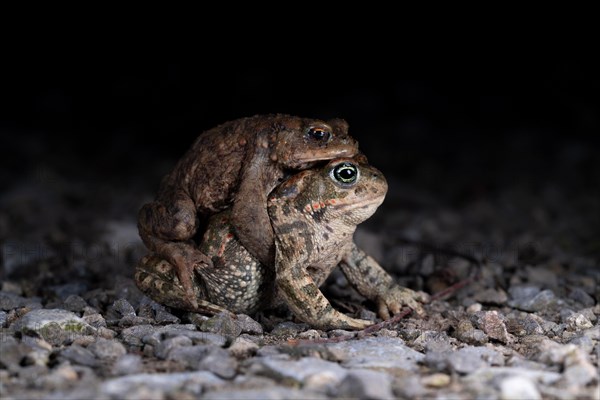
{"x": 236, "y": 164}
{"x": 314, "y": 215}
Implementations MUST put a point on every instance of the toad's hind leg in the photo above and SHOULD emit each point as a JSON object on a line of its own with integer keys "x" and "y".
{"x": 168, "y": 230}
{"x": 158, "y": 279}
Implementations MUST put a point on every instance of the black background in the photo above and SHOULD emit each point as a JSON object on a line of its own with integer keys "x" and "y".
{"x": 435, "y": 122}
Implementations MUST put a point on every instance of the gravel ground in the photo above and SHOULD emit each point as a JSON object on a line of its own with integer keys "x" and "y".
{"x": 74, "y": 325}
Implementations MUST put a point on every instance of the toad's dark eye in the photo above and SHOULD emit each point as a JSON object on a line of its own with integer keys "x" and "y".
{"x": 319, "y": 134}
{"x": 345, "y": 173}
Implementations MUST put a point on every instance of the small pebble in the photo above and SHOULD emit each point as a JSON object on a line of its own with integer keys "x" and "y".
{"x": 580, "y": 296}
{"x": 107, "y": 349}
{"x": 75, "y": 303}
{"x": 310, "y": 334}
{"x": 219, "y": 362}
{"x": 288, "y": 328}
{"x": 466, "y": 332}
{"x": 366, "y": 384}
{"x": 518, "y": 388}
{"x": 79, "y": 355}
{"x": 248, "y": 325}
{"x": 163, "y": 349}
{"x": 222, "y": 324}
{"x": 492, "y": 324}
{"x": 437, "y": 380}
{"x": 577, "y": 322}
{"x": 341, "y": 333}
{"x": 473, "y": 308}
{"x": 127, "y": 364}
{"x": 242, "y": 348}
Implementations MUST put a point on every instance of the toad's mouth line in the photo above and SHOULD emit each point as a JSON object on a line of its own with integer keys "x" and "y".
{"x": 352, "y": 206}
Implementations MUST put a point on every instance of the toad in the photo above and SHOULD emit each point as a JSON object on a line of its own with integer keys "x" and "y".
{"x": 236, "y": 164}
{"x": 314, "y": 215}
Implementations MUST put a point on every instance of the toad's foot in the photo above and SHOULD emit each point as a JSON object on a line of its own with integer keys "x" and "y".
{"x": 396, "y": 297}
{"x": 338, "y": 320}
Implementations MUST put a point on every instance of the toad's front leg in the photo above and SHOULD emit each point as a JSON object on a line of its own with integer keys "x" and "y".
{"x": 373, "y": 282}
{"x": 304, "y": 298}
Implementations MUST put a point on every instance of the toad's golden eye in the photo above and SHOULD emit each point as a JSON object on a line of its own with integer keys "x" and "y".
{"x": 345, "y": 173}
{"x": 319, "y": 134}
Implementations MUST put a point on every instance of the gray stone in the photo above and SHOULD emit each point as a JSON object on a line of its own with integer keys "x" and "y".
{"x": 57, "y": 326}
{"x": 552, "y": 353}
{"x": 382, "y": 353}
{"x": 188, "y": 330}
{"x": 584, "y": 343}
{"x": 388, "y": 333}
{"x": 127, "y": 364}
{"x": 219, "y": 362}
{"x": 249, "y": 325}
{"x": 151, "y": 310}
{"x": 133, "y": 336}
{"x": 119, "y": 309}
{"x": 164, "y": 317}
{"x": 159, "y": 385}
{"x": 107, "y": 349}
{"x": 205, "y": 357}
{"x": 60, "y": 377}
{"x": 75, "y": 303}
{"x": 189, "y": 356}
{"x": 10, "y": 301}
{"x": 491, "y": 296}
{"x": 437, "y": 380}
{"x": 467, "y": 333}
{"x": 409, "y": 387}
{"x": 96, "y": 320}
{"x": 271, "y": 393}
{"x": 426, "y": 339}
{"x": 518, "y": 388}
{"x": 521, "y": 324}
{"x": 589, "y": 314}
{"x": 487, "y": 375}
{"x": 288, "y": 328}
{"x": 523, "y": 292}
{"x": 542, "y": 276}
{"x": 367, "y": 315}
{"x": 11, "y": 287}
{"x": 543, "y": 300}
{"x": 3, "y": 319}
{"x": 577, "y": 322}
{"x": 38, "y": 351}
{"x": 310, "y": 334}
{"x": 593, "y": 333}
{"x": 222, "y": 324}
{"x": 12, "y": 352}
{"x": 162, "y": 349}
{"x": 341, "y": 333}
{"x": 470, "y": 359}
{"x": 579, "y": 371}
{"x": 366, "y": 384}
{"x": 79, "y": 355}
{"x": 273, "y": 351}
{"x": 242, "y": 347}
{"x": 492, "y": 324}
{"x": 308, "y": 371}
{"x": 580, "y": 296}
